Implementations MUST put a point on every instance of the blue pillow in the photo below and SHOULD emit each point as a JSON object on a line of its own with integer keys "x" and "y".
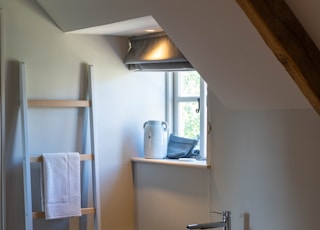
{"x": 180, "y": 147}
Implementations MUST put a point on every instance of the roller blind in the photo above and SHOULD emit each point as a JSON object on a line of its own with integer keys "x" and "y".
{"x": 155, "y": 52}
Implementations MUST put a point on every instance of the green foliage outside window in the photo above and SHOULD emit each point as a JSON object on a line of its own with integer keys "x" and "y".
{"x": 190, "y": 119}
{"x": 190, "y": 84}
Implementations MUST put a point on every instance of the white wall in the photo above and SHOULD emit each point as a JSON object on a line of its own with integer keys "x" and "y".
{"x": 265, "y": 167}
{"x": 170, "y": 197}
{"x": 55, "y": 68}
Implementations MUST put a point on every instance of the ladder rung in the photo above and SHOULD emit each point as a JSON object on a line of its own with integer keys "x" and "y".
{"x": 58, "y": 103}
{"x": 83, "y": 157}
{"x": 84, "y": 211}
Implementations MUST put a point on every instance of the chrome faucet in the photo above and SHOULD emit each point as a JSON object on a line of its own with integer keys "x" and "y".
{"x": 225, "y": 223}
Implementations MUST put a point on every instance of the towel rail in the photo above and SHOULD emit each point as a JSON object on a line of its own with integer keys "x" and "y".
{"x": 83, "y": 157}
{"x": 84, "y": 211}
{"x": 58, "y": 103}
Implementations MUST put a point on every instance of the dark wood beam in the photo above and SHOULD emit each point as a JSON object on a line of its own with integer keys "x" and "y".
{"x": 290, "y": 43}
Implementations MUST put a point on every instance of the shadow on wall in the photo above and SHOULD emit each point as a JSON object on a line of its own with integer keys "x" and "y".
{"x": 83, "y": 136}
{"x": 119, "y": 45}
{"x": 83, "y": 114}
{"x": 246, "y": 221}
{"x": 12, "y": 150}
{"x": 281, "y": 147}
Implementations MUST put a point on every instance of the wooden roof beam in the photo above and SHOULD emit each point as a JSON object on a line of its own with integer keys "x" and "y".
{"x": 290, "y": 43}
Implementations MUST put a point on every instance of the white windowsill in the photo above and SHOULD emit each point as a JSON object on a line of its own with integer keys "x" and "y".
{"x": 197, "y": 164}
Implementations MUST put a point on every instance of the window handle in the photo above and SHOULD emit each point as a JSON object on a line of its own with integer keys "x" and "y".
{"x": 198, "y": 109}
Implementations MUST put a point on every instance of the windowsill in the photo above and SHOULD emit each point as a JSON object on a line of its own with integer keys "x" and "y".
{"x": 196, "y": 164}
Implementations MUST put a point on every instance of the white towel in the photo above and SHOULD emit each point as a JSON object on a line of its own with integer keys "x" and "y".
{"x": 61, "y": 183}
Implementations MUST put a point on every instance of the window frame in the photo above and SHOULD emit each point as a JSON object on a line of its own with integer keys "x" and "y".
{"x": 172, "y": 98}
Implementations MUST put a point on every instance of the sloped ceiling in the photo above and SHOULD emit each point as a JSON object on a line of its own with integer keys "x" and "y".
{"x": 132, "y": 27}
{"x": 215, "y": 36}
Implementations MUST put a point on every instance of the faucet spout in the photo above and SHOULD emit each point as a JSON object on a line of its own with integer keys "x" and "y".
{"x": 207, "y": 225}
{"x": 225, "y": 224}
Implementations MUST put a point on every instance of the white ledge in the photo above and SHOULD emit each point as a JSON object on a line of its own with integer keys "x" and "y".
{"x": 197, "y": 164}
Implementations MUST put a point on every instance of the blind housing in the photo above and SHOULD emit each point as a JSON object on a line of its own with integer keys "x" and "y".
{"x": 155, "y": 52}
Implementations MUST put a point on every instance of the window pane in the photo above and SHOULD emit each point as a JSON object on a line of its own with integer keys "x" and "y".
{"x": 189, "y": 82}
{"x": 189, "y": 120}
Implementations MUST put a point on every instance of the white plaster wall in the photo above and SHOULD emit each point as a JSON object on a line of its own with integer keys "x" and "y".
{"x": 266, "y": 167}
{"x": 55, "y": 69}
{"x": 170, "y": 197}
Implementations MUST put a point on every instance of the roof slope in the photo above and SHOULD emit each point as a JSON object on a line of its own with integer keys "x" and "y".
{"x": 216, "y": 37}
{"x": 290, "y": 43}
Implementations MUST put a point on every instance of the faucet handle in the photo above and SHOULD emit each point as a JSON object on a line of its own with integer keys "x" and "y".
{"x": 224, "y": 213}
{"x": 220, "y": 213}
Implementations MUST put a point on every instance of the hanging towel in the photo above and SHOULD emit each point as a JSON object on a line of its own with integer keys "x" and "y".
{"x": 61, "y": 185}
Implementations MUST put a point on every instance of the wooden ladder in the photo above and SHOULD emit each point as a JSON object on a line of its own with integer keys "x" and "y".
{"x": 89, "y": 103}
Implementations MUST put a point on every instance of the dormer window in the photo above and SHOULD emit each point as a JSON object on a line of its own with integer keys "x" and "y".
{"x": 186, "y": 92}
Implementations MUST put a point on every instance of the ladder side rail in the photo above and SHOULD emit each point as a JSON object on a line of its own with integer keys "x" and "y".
{"x": 26, "y": 157}
{"x": 95, "y": 168}
{"x": 85, "y": 172}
